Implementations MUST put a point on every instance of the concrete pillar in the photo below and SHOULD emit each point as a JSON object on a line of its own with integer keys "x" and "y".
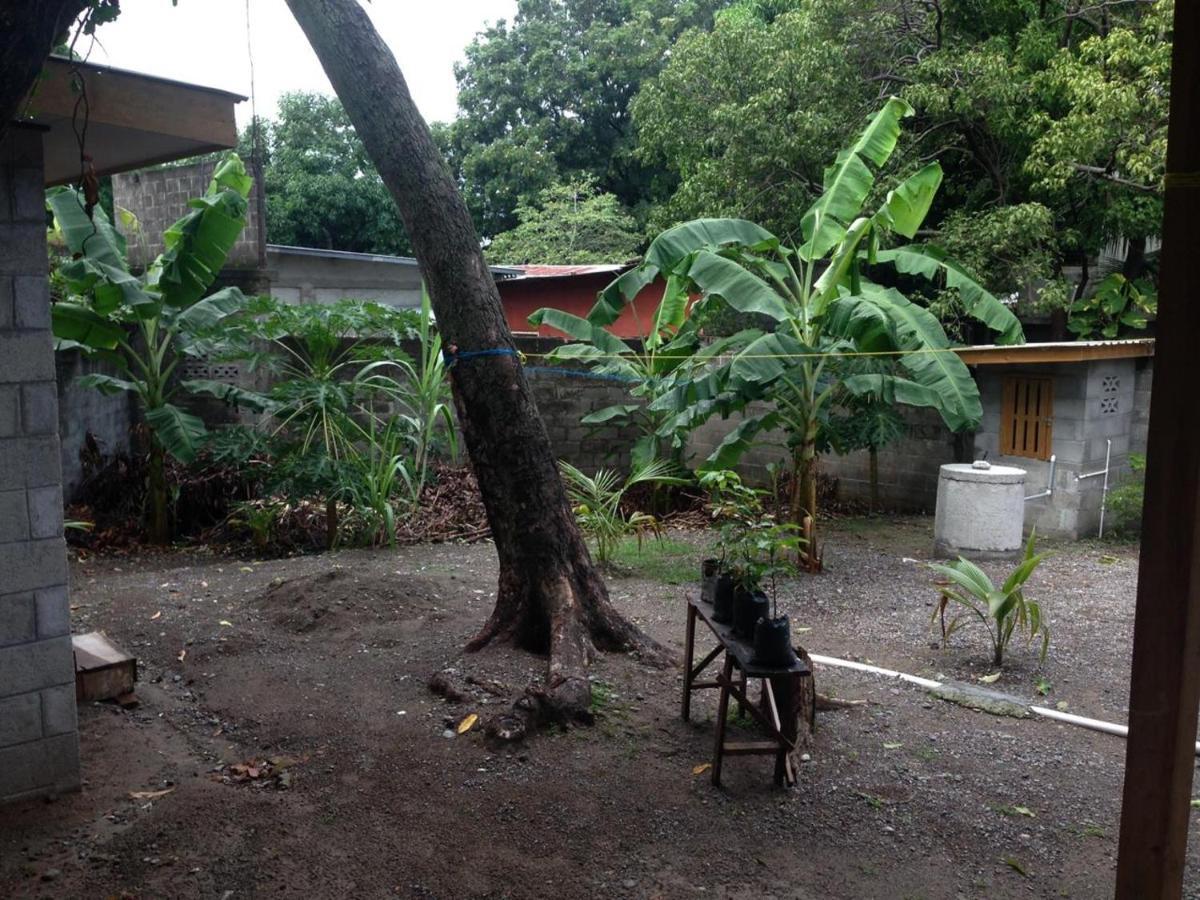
{"x": 39, "y": 746}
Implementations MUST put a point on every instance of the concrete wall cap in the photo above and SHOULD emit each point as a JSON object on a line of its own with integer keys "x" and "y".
{"x": 993, "y": 475}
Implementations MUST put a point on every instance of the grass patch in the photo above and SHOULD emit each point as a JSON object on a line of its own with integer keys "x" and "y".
{"x": 666, "y": 561}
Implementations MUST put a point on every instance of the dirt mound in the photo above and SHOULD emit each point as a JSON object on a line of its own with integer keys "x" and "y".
{"x": 340, "y": 599}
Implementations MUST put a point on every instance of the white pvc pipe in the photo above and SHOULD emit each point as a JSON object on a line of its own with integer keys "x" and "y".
{"x": 863, "y": 667}
{"x": 1058, "y": 715}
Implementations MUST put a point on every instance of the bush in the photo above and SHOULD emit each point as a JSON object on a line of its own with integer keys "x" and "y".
{"x": 1123, "y": 511}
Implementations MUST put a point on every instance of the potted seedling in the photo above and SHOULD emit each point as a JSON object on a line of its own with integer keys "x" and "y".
{"x": 737, "y": 507}
{"x": 773, "y": 633}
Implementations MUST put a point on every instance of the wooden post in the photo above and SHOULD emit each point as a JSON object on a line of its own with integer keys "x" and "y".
{"x": 1165, "y": 683}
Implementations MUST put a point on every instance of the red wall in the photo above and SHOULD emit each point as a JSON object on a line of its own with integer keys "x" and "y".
{"x": 574, "y": 294}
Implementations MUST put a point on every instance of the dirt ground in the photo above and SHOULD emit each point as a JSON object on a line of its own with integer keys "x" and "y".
{"x": 285, "y": 711}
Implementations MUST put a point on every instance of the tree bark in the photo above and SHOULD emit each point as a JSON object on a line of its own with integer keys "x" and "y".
{"x": 550, "y": 597}
{"x": 158, "y": 522}
{"x": 29, "y": 29}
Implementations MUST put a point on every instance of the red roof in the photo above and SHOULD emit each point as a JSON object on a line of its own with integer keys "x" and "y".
{"x": 544, "y": 271}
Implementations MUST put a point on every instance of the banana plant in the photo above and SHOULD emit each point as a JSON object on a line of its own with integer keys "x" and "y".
{"x": 825, "y": 307}
{"x": 669, "y": 349}
{"x": 143, "y": 323}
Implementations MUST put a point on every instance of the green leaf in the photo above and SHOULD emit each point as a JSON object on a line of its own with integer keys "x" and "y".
{"x": 609, "y": 413}
{"x": 718, "y": 276}
{"x": 671, "y": 248}
{"x": 849, "y": 180}
{"x": 199, "y": 243}
{"x": 211, "y": 310}
{"x": 931, "y": 363}
{"x": 738, "y": 441}
{"x": 230, "y": 393}
{"x": 181, "y": 434}
{"x": 107, "y": 384}
{"x": 580, "y": 329}
{"x": 908, "y": 203}
{"x": 78, "y": 323}
{"x": 931, "y": 263}
{"x": 95, "y": 237}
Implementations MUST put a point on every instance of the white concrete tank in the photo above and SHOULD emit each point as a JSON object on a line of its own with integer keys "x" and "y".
{"x": 980, "y": 511}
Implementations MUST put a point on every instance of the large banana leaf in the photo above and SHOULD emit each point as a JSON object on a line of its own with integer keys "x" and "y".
{"x": 849, "y": 180}
{"x": 580, "y": 329}
{"x": 930, "y": 361}
{"x": 670, "y": 313}
{"x": 107, "y": 384}
{"x": 199, "y": 243}
{"x": 767, "y": 358}
{"x": 100, "y": 268}
{"x": 718, "y": 276}
{"x": 672, "y": 247}
{"x": 180, "y": 433}
{"x": 95, "y": 237}
{"x": 738, "y": 441}
{"x": 81, "y": 325}
{"x": 908, "y": 203}
{"x": 211, "y": 310}
{"x": 931, "y": 263}
{"x": 230, "y": 393}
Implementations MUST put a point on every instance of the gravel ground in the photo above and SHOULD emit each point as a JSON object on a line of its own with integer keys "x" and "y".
{"x": 305, "y": 756}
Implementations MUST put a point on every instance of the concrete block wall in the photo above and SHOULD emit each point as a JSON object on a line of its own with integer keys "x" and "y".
{"x": 1143, "y": 382}
{"x": 39, "y": 748}
{"x": 84, "y": 410}
{"x": 159, "y": 197}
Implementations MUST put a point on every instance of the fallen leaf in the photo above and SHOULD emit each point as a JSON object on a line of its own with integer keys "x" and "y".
{"x": 701, "y": 769}
{"x": 157, "y": 615}
{"x": 467, "y": 723}
{"x": 1024, "y": 811}
{"x": 802, "y": 630}
{"x": 990, "y": 679}
{"x": 182, "y": 655}
{"x": 149, "y": 795}
{"x": 1061, "y": 705}
{"x": 1196, "y": 803}
{"x": 892, "y": 746}
{"x": 246, "y": 569}
{"x": 225, "y": 622}
{"x": 1014, "y": 864}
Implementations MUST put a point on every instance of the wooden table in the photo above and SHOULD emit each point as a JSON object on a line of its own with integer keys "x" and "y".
{"x": 778, "y": 708}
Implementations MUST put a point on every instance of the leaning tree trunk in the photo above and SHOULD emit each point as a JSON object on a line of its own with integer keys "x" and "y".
{"x": 28, "y": 30}
{"x": 550, "y": 597}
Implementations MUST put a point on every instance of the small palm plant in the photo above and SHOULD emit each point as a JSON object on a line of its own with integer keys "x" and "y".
{"x": 597, "y": 502}
{"x": 1003, "y": 611}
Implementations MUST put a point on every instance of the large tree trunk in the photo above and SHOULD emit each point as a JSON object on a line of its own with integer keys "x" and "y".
{"x": 28, "y": 30}
{"x": 550, "y": 598}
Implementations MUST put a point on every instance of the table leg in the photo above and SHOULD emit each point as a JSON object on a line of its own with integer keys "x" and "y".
{"x": 786, "y": 689}
{"x": 722, "y": 712}
{"x": 689, "y": 649}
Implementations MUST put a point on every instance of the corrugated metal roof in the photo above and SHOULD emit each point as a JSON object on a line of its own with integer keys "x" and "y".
{"x": 548, "y": 271}
{"x": 1052, "y": 352}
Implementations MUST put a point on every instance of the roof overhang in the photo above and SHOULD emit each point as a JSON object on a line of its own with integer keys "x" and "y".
{"x": 498, "y": 272}
{"x": 132, "y": 120}
{"x": 1059, "y": 352}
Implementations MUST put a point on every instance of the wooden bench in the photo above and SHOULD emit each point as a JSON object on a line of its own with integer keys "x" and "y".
{"x": 781, "y": 710}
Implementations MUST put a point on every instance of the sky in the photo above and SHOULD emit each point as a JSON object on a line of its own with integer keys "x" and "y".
{"x": 204, "y": 42}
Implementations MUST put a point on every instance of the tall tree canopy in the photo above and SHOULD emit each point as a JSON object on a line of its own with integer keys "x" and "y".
{"x": 322, "y": 188}
{"x": 546, "y": 98}
{"x": 571, "y": 224}
{"x": 1049, "y": 118}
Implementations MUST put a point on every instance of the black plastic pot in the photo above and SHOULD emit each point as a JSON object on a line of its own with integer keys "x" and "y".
{"x": 722, "y": 599}
{"x": 748, "y": 608}
{"x": 773, "y": 642}
{"x": 709, "y": 569}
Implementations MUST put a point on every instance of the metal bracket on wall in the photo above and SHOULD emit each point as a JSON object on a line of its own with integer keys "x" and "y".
{"x": 1104, "y": 489}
